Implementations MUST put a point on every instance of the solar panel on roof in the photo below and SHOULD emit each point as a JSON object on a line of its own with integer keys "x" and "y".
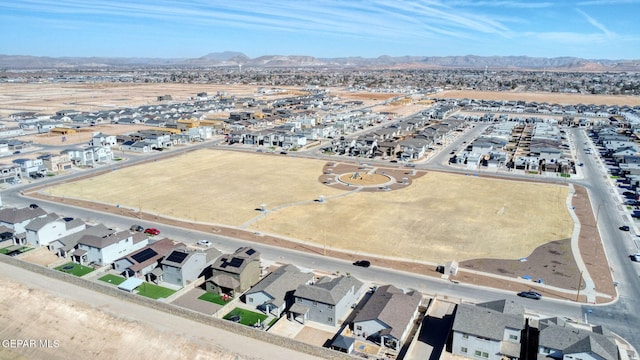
{"x": 250, "y": 252}
{"x": 236, "y": 262}
{"x": 144, "y": 255}
{"x": 177, "y": 257}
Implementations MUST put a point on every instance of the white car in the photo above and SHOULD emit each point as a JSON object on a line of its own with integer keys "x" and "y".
{"x": 206, "y": 243}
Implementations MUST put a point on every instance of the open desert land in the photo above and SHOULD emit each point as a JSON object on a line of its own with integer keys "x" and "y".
{"x": 438, "y": 217}
{"x": 51, "y": 97}
{"x": 550, "y": 98}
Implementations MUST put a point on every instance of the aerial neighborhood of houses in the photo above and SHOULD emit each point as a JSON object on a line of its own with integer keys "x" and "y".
{"x": 365, "y": 319}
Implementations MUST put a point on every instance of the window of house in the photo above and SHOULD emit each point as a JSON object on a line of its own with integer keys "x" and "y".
{"x": 358, "y": 327}
{"x": 330, "y": 319}
{"x": 315, "y": 303}
{"x": 463, "y": 350}
{"x": 485, "y": 355}
{"x": 299, "y": 300}
{"x": 465, "y": 336}
{"x": 477, "y": 353}
{"x": 330, "y": 307}
{"x": 250, "y": 300}
{"x": 513, "y": 337}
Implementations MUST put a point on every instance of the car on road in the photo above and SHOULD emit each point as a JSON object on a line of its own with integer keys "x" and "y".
{"x": 283, "y": 153}
{"x": 581, "y": 164}
{"x": 136, "y": 228}
{"x": 624, "y": 228}
{"x": 206, "y": 243}
{"x": 635, "y": 257}
{"x": 530, "y": 295}
{"x": 152, "y": 231}
{"x": 362, "y": 263}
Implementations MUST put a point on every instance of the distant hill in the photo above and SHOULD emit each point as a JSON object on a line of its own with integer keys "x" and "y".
{"x": 233, "y": 59}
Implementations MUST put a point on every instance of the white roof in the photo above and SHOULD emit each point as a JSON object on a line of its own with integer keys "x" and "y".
{"x": 130, "y": 284}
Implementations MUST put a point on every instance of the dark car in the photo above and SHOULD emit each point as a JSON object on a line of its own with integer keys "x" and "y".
{"x": 152, "y": 231}
{"x": 234, "y": 318}
{"x": 530, "y": 295}
{"x": 362, "y": 263}
{"x": 137, "y": 228}
{"x": 283, "y": 153}
{"x": 67, "y": 219}
{"x": 635, "y": 257}
{"x": 624, "y": 228}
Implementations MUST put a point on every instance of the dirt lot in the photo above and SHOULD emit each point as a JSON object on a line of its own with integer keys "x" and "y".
{"x": 550, "y": 98}
{"x": 49, "y": 98}
{"x": 484, "y": 216}
{"x": 83, "y": 135}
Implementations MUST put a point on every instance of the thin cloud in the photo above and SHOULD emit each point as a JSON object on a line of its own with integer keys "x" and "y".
{"x": 607, "y": 2}
{"x": 502, "y": 4}
{"x": 596, "y": 24}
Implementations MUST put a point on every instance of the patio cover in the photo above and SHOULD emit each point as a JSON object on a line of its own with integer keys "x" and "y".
{"x": 130, "y": 284}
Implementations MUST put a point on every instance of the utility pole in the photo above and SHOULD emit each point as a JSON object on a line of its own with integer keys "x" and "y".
{"x": 579, "y": 286}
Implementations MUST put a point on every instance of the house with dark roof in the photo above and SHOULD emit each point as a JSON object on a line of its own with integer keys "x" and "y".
{"x": 233, "y": 274}
{"x": 488, "y": 330}
{"x": 181, "y": 266}
{"x": 103, "y": 250}
{"x": 43, "y": 230}
{"x": 388, "y": 316}
{"x": 560, "y": 339}
{"x": 142, "y": 262}
{"x": 67, "y": 245}
{"x": 274, "y": 293}
{"x": 16, "y": 220}
{"x": 327, "y": 301}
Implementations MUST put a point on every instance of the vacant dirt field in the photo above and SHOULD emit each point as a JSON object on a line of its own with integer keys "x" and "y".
{"x": 551, "y": 98}
{"x": 49, "y": 98}
{"x": 485, "y": 218}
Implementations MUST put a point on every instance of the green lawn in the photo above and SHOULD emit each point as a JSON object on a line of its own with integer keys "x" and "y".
{"x": 4, "y": 251}
{"x": 112, "y": 279}
{"x": 214, "y": 298}
{"x": 75, "y": 269}
{"x": 154, "y": 291}
{"x": 247, "y": 317}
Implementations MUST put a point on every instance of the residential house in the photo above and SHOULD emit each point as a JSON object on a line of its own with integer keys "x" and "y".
{"x": 182, "y": 266}
{"x": 30, "y": 167}
{"x": 274, "y": 293}
{"x": 44, "y": 230}
{"x": 142, "y": 262}
{"x": 388, "y": 316}
{"x": 103, "y": 250}
{"x": 9, "y": 173}
{"x": 488, "y": 330}
{"x": 233, "y": 274}
{"x": 561, "y": 340}
{"x": 100, "y": 139}
{"x": 56, "y": 162}
{"x": 66, "y": 245}
{"x": 17, "y": 219}
{"x": 137, "y": 146}
{"x": 327, "y": 301}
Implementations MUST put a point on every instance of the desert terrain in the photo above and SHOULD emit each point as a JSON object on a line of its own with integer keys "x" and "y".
{"x": 486, "y": 218}
{"x": 550, "y": 98}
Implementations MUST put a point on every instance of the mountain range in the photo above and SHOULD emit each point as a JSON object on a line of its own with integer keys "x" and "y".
{"x": 238, "y": 59}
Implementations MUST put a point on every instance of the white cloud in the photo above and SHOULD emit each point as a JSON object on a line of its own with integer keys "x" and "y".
{"x": 596, "y": 24}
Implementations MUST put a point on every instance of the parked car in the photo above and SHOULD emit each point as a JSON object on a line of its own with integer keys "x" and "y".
{"x": 624, "y": 228}
{"x": 136, "y": 227}
{"x": 635, "y": 257}
{"x": 530, "y": 295}
{"x": 152, "y": 231}
{"x": 362, "y": 263}
{"x": 206, "y": 243}
{"x": 67, "y": 219}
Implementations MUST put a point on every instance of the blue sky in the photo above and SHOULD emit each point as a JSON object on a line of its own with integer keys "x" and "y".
{"x": 593, "y": 29}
